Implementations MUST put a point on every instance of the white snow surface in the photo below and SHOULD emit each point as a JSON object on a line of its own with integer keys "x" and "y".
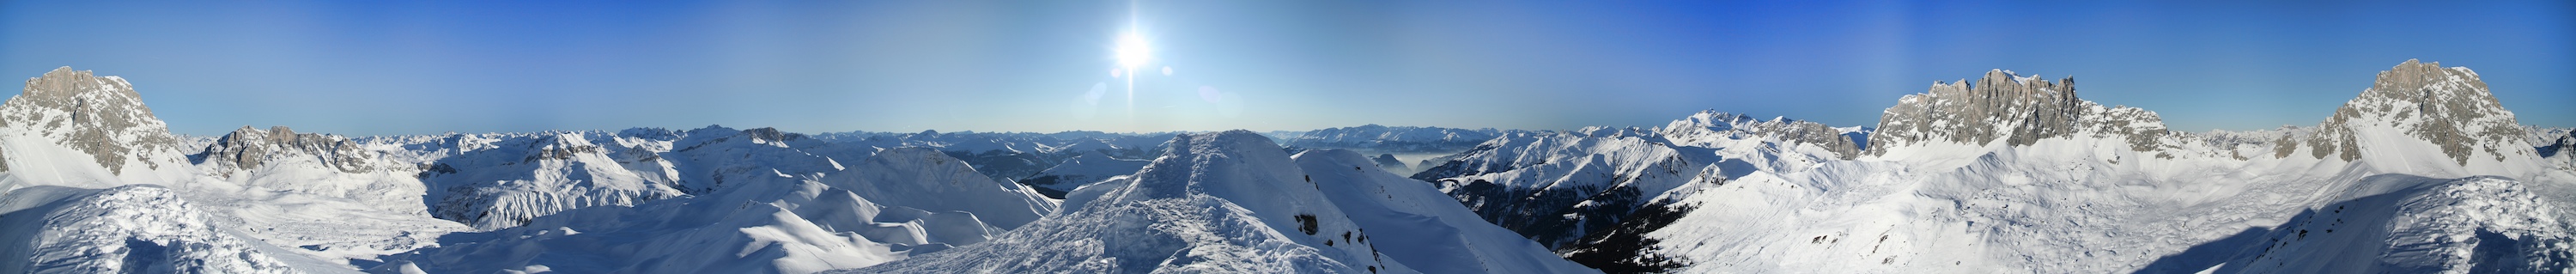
{"x": 1417, "y": 225}
{"x": 129, "y": 229}
{"x": 1226, "y": 202}
{"x": 899, "y": 203}
{"x": 2224, "y": 202}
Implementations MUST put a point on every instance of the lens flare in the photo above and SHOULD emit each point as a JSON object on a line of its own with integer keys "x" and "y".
{"x": 1132, "y": 50}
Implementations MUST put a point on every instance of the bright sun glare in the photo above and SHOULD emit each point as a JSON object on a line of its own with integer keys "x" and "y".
{"x": 1132, "y": 50}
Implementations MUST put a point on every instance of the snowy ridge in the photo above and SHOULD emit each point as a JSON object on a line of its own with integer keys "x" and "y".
{"x": 2413, "y": 224}
{"x": 1418, "y": 225}
{"x": 902, "y": 202}
{"x": 1216, "y": 202}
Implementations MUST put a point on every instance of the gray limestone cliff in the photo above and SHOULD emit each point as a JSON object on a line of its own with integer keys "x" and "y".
{"x": 2448, "y": 106}
{"x": 248, "y": 148}
{"x": 98, "y": 115}
{"x": 2014, "y": 109}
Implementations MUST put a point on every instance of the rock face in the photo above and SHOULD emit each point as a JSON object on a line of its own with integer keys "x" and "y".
{"x": 2448, "y": 106}
{"x": 248, "y": 148}
{"x": 2004, "y": 106}
{"x": 98, "y": 115}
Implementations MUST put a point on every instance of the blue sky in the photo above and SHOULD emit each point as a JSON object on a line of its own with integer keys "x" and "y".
{"x": 417, "y": 67}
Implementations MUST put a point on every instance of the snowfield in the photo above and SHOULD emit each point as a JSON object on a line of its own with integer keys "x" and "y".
{"x": 2424, "y": 172}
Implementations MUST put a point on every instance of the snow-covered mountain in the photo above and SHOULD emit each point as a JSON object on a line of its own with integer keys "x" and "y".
{"x": 2420, "y": 107}
{"x": 95, "y": 183}
{"x": 1236, "y": 202}
{"x": 1557, "y": 187}
{"x": 2423, "y": 172}
{"x": 898, "y": 203}
{"x": 72, "y": 128}
{"x": 2014, "y": 174}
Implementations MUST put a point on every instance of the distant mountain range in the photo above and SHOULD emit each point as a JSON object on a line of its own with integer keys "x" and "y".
{"x": 2423, "y": 172}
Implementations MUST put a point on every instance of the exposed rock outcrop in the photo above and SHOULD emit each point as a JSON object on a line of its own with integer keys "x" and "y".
{"x": 248, "y": 148}
{"x": 98, "y": 115}
{"x": 2017, "y": 110}
{"x": 2448, "y": 106}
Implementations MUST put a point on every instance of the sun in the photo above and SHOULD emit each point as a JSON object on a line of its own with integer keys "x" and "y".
{"x": 1132, "y": 50}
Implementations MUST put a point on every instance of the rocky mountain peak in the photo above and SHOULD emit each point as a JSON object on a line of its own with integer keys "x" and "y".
{"x": 249, "y": 147}
{"x": 2005, "y": 106}
{"x": 2450, "y": 107}
{"x": 98, "y": 115}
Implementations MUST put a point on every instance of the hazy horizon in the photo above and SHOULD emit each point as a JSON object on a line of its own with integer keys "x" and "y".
{"x": 406, "y": 68}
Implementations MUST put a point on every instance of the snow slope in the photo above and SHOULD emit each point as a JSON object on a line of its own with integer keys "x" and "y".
{"x": 1227, "y": 202}
{"x": 899, "y": 203}
{"x": 1420, "y": 227}
{"x": 128, "y": 229}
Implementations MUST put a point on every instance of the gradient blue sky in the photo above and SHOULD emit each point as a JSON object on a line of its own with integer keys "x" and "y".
{"x": 419, "y": 67}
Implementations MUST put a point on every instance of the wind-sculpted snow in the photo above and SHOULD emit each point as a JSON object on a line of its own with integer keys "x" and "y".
{"x": 1227, "y": 202}
{"x": 2408, "y": 224}
{"x": 129, "y": 229}
{"x": 902, "y": 202}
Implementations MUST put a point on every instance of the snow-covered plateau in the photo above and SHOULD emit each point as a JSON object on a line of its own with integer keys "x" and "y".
{"x": 2423, "y": 172}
